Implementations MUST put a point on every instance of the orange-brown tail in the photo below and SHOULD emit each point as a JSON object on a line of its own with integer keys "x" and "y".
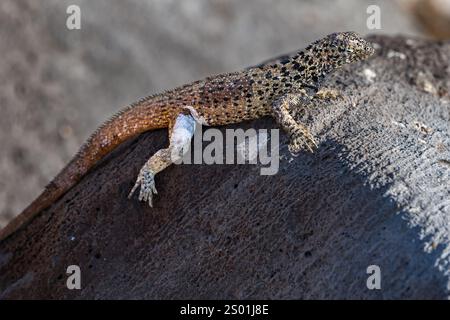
{"x": 145, "y": 115}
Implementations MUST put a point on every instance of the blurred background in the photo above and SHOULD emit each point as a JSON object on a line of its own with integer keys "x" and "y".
{"x": 57, "y": 85}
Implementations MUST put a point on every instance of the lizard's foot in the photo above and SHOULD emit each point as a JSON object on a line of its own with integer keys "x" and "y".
{"x": 301, "y": 139}
{"x": 145, "y": 179}
{"x": 328, "y": 94}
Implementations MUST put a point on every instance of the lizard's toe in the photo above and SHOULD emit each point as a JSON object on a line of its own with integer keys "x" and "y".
{"x": 136, "y": 185}
{"x": 302, "y": 142}
{"x": 146, "y": 180}
{"x": 329, "y": 94}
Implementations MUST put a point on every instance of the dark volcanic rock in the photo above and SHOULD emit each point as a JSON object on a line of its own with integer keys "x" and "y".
{"x": 375, "y": 193}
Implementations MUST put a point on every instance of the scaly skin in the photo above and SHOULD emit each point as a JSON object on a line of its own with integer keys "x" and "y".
{"x": 270, "y": 89}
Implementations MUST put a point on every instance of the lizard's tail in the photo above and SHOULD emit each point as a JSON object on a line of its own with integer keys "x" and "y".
{"x": 126, "y": 124}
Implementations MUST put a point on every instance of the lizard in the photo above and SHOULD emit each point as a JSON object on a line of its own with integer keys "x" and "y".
{"x": 274, "y": 89}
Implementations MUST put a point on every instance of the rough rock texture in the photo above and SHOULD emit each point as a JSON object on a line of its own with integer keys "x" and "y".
{"x": 375, "y": 193}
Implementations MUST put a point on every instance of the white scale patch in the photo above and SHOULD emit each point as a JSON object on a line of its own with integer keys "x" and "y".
{"x": 183, "y": 130}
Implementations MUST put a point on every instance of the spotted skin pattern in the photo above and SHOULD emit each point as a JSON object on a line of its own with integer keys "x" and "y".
{"x": 274, "y": 89}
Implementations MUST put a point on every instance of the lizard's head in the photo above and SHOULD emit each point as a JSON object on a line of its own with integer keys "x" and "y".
{"x": 350, "y": 46}
{"x": 337, "y": 49}
{"x": 328, "y": 54}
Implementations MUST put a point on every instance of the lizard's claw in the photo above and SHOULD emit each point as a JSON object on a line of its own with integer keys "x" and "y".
{"x": 145, "y": 179}
{"x": 300, "y": 141}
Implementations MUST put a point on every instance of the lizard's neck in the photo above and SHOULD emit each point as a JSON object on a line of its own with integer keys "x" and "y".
{"x": 312, "y": 65}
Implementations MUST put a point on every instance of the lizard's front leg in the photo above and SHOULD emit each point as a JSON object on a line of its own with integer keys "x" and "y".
{"x": 300, "y": 137}
{"x": 180, "y": 138}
